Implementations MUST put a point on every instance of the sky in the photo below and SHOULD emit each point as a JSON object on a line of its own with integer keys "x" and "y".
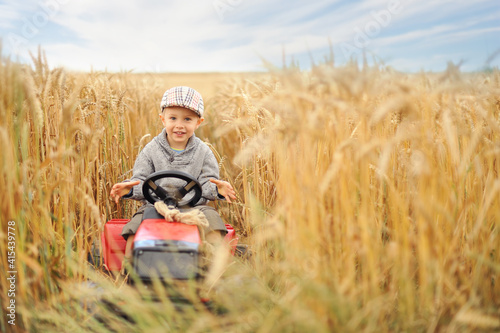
{"x": 244, "y": 35}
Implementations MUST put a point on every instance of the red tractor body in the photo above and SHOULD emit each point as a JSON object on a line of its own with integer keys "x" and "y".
{"x": 162, "y": 249}
{"x": 154, "y": 237}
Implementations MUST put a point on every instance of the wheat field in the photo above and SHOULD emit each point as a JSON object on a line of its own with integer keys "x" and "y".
{"x": 370, "y": 198}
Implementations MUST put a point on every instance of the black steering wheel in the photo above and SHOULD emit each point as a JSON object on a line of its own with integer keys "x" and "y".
{"x": 171, "y": 199}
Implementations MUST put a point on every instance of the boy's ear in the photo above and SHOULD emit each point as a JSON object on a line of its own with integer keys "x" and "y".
{"x": 200, "y": 120}
{"x": 162, "y": 118}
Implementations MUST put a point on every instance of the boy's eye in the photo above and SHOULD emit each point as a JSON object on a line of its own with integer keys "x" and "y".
{"x": 187, "y": 119}
{"x": 172, "y": 118}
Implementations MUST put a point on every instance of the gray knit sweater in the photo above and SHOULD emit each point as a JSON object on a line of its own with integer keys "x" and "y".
{"x": 196, "y": 160}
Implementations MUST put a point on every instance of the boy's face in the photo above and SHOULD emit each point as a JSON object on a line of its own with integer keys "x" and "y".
{"x": 180, "y": 124}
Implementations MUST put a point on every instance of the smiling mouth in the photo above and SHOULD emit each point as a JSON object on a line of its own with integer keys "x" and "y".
{"x": 179, "y": 133}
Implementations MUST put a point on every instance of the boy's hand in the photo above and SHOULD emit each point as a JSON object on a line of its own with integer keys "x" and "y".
{"x": 225, "y": 189}
{"x": 120, "y": 189}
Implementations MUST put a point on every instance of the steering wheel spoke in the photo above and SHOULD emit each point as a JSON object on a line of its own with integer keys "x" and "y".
{"x": 185, "y": 189}
{"x": 158, "y": 190}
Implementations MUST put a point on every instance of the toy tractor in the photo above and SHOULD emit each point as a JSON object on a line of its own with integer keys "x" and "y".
{"x": 162, "y": 250}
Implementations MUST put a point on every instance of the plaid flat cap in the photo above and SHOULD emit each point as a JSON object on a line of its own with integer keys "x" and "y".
{"x": 184, "y": 97}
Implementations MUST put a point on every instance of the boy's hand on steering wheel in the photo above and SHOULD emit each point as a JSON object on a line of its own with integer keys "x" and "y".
{"x": 120, "y": 189}
{"x": 225, "y": 189}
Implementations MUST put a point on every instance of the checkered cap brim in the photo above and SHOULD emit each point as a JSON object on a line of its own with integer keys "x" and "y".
{"x": 184, "y": 97}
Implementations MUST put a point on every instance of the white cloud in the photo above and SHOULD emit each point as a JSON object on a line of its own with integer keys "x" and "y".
{"x": 166, "y": 41}
{"x": 176, "y": 35}
{"x": 7, "y": 16}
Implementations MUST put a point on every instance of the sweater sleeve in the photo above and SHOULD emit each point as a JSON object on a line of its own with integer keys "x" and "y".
{"x": 210, "y": 170}
{"x": 143, "y": 167}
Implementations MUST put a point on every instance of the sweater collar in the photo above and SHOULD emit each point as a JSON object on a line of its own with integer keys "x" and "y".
{"x": 162, "y": 139}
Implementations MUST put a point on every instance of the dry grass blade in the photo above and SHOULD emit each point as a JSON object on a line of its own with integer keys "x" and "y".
{"x": 369, "y": 198}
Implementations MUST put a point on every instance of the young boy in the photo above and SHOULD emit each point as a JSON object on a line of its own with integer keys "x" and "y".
{"x": 177, "y": 148}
